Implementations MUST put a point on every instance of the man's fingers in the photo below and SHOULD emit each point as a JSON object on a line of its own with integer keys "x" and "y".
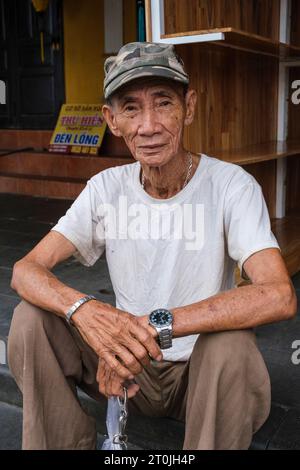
{"x": 116, "y": 366}
{"x": 132, "y": 390}
{"x": 128, "y": 359}
{"x": 114, "y": 385}
{"x": 104, "y": 378}
{"x": 110, "y": 384}
{"x": 100, "y": 371}
{"x": 139, "y": 352}
{"x": 117, "y": 389}
{"x": 148, "y": 341}
{"x": 101, "y": 377}
{"x": 144, "y": 322}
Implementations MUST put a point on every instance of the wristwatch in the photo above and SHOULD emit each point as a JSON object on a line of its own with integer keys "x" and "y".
{"x": 162, "y": 320}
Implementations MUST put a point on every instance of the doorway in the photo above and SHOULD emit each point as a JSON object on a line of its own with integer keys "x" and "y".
{"x": 34, "y": 88}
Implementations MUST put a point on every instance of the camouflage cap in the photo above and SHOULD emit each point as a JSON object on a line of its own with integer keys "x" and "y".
{"x": 142, "y": 59}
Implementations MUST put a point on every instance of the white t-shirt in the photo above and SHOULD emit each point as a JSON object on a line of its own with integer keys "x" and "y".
{"x": 172, "y": 252}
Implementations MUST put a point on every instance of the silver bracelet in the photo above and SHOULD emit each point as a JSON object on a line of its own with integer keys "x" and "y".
{"x": 77, "y": 304}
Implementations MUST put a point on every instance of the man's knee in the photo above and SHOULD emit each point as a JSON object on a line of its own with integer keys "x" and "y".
{"x": 224, "y": 343}
{"x": 225, "y": 348}
{"x": 233, "y": 351}
{"x": 27, "y": 321}
{"x": 26, "y": 317}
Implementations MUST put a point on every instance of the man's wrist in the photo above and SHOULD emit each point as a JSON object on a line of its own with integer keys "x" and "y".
{"x": 76, "y": 306}
{"x": 175, "y": 333}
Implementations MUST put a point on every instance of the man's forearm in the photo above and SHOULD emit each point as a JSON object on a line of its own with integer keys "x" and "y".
{"x": 113, "y": 334}
{"x": 39, "y": 286}
{"x": 239, "y": 308}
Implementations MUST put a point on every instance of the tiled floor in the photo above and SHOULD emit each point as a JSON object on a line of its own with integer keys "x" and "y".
{"x": 23, "y": 222}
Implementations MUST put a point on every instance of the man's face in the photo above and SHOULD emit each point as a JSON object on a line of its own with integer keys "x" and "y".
{"x": 150, "y": 116}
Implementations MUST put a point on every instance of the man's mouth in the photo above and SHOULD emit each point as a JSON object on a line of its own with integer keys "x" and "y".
{"x": 152, "y": 147}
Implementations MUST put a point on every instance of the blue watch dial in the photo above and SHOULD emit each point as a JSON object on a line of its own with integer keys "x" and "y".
{"x": 161, "y": 317}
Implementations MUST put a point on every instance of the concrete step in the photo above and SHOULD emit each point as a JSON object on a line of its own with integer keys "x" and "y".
{"x": 11, "y": 429}
{"x": 144, "y": 432}
{"x": 281, "y": 430}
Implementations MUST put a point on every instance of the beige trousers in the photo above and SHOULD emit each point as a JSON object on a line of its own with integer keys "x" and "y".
{"x": 222, "y": 393}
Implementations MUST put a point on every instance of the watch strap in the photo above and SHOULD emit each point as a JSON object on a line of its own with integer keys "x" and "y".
{"x": 165, "y": 338}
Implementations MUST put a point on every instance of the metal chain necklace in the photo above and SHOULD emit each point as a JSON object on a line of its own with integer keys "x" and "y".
{"x": 188, "y": 175}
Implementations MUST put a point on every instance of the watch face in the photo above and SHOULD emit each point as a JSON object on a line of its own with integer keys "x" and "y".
{"x": 161, "y": 317}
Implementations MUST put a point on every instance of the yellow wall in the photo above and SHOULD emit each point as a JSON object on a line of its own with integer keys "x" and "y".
{"x": 84, "y": 47}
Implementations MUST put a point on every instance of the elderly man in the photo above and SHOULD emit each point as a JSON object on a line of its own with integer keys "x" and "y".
{"x": 173, "y": 225}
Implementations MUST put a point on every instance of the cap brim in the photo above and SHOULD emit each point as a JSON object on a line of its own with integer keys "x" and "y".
{"x": 142, "y": 72}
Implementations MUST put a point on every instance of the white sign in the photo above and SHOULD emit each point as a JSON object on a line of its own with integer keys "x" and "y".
{"x": 113, "y": 26}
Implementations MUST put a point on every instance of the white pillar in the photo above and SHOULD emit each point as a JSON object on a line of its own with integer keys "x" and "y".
{"x": 283, "y": 97}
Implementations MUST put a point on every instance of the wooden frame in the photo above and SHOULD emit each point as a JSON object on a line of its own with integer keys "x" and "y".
{"x": 155, "y": 8}
{"x": 148, "y": 20}
{"x": 228, "y": 37}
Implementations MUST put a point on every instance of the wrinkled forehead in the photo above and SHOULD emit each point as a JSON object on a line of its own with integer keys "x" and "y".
{"x": 144, "y": 84}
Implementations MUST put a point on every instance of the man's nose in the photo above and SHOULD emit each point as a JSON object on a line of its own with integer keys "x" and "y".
{"x": 149, "y": 123}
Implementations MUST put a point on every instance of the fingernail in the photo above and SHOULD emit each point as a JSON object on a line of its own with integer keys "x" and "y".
{"x": 160, "y": 357}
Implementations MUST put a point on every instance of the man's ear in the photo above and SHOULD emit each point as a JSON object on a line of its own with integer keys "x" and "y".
{"x": 110, "y": 118}
{"x": 190, "y": 104}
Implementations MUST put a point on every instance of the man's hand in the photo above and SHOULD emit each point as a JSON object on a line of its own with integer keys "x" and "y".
{"x": 125, "y": 342}
{"x": 111, "y": 384}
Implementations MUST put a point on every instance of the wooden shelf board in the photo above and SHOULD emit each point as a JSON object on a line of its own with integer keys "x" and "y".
{"x": 119, "y": 159}
{"x": 259, "y": 152}
{"x": 61, "y": 179}
{"x": 238, "y": 39}
{"x": 50, "y": 165}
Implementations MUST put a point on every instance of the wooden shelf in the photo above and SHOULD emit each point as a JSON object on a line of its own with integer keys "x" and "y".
{"x": 51, "y": 174}
{"x": 259, "y": 152}
{"x": 237, "y": 39}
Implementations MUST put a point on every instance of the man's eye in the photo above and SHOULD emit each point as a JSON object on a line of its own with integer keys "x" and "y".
{"x": 130, "y": 109}
{"x": 164, "y": 103}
